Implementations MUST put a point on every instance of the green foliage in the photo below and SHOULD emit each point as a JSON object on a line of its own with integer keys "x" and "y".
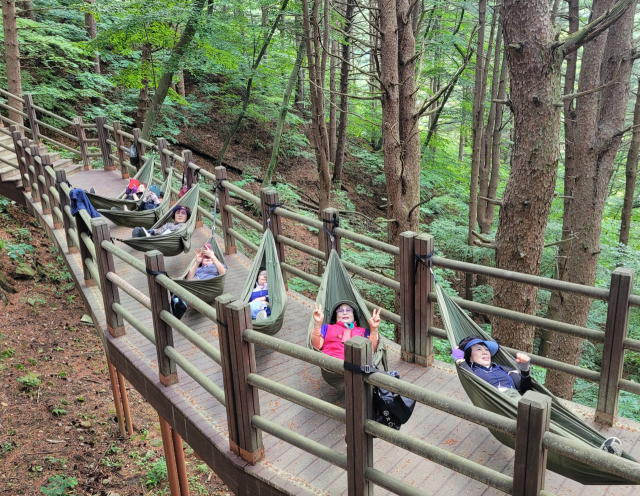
{"x": 16, "y": 252}
{"x": 8, "y": 353}
{"x": 30, "y": 380}
{"x": 7, "y": 447}
{"x": 157, "y": 473}
{"x": 58, "y": 485}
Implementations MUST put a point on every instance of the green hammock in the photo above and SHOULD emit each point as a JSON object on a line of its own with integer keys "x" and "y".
{"x": 175, "y": 242}
{"x": 267, "y": 256}
{"x": 335, "y": 287}
{"x": 142, "y": 218}
{"x": 144, "y": 175}
{"x": 482, "y": 394}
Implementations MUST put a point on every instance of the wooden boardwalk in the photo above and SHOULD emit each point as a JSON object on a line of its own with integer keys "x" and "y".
{"x": 286, "y": 468}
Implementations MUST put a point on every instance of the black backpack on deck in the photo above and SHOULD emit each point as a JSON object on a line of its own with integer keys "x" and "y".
{"x": 391, "y": 409}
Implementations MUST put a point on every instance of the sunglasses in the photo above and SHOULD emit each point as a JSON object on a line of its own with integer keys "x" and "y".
{"x": 344, "y": 310}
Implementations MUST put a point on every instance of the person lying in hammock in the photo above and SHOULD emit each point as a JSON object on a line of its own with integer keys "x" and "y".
{"x": 149, "y": 199}
{"x": 474, "y": 354}
{"x": 207, "y": 265}
{"x": 343, "y": 325}
{"x": 259, "y": 299}
{"x": 180, "y": 215}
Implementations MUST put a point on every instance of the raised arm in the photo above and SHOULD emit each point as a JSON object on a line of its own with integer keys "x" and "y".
{"x": 194, "y": 267}
{"x": 221, "y": 268}
{"x": 374, "y": 323}
{"x": 316, "y": 335}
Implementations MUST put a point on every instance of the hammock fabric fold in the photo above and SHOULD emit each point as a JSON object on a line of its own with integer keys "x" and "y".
{"x": 336, "y": 286}
{"x": 144, "y": 175}
{"x": 267, "y": 256}
{"x": 142, "y": 218}
{"x": 176, "y": 242}
{"x": 563, "y": 421}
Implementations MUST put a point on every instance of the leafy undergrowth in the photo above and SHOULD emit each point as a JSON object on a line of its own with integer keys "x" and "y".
{"x": 58, "y": 432}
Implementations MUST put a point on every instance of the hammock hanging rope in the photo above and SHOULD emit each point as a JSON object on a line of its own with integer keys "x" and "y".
{"x": 336, "y": 286}
{"x": 175, "y": 242}
{"x": 267, "y": 256}
{"x": 482, "y": 394}
{"x": 142, "y": 218}
{"x": 144, "y": 175}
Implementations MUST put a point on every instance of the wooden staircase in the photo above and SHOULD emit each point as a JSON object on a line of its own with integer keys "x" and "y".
{"x": 10, "y": 180}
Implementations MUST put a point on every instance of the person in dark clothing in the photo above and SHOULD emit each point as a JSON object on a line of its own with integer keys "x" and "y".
{"x": 474, "y": 354}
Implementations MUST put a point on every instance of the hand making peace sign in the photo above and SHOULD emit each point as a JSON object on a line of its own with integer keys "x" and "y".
{"x": 374, "y": 321}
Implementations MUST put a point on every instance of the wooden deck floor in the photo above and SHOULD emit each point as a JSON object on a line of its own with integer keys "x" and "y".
{"x": 287, "y": 467}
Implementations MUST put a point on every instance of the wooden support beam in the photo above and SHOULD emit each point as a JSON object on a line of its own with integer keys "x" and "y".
{"x": 82, "y": 144}
{"x": 165, "y": 162}
{"x": 140, "y": 148}
{"x": 82, "y": 227}
{"x": 61, "y": 177}
{"x": 33, "y": 175}
{"x": 49, "y": 182}
{"x": 269, "y": 200}
{"x": 116, "y": 395}
{"x": 359, "y": 408}
{"x": 169, "y": 457}
{"x": 17, "y": 136}
{"x": 227, "y": 219}
{"x": 105, "y": 148}
{"x": 154, "y": 261}
{"x": 31, "y": 115}
{"x": 330, "y": 219}
{"x": 407, "y": 295}
{"x": 181, "y": 466}
{"x": 105, "y": 263}
{"x": 424, "y": 309}
{"x": 125, "y": 403}
{"x": 530, "y": 464}
{"x": 616, "y": 329}
{"x": 122, "y": 157}
{"x": 187, "y": 156}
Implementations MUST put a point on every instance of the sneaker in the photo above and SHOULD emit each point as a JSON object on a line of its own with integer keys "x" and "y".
{"x": 139, "y": 232}
{"x": 92, "y": 191}
{"x": 115, "y": 208}
{"x": 124, "y": 207}
{"x": 612, "y": 445}
{"x": 262, "y": 315}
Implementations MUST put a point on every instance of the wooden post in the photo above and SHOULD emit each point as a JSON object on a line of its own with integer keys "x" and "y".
{"x": 407, "y": 295}
{"x": 269, "y": 196}
{"x": 164, "y": 158}
{"x": 137, "y": 134}
{"x": 154, "y": 261}
{"x": 82, "y": 144}
{"x": 169, "y": 457}
{"x": 105, "y": 148}
{"x": 61, "y": 177}
{"x": 110, "y": 292}
{"x": 82, "y": 227}
{"x": 116, "y": 396}
{"x": 181, "y": 466}
{"x": 243, "y": 358}
{"x": 227, "y": 220}
{"x": 16, "y": 135}
{"x": 45, "y": 161}
{"x": 227, "y": 371}
{"x": 37, "y": 167}
{"x": 359, "y": 408}
{"x": 187, "y": 156}
{"x": 330, "y": 219}
{"x": 31, "y": 115}
{"x": 30, "y": 163}
{"x": 423, "y": 308}
{"x": 117, "y": 138}
{"x": 616, "y": 330}
{"x": 125, "y": 403}
{"x": 530, "y": 464}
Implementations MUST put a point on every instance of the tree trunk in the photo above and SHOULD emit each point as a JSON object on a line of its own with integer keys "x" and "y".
{"x": 247, "y": 91}
{"x": 282, "y": 117}
{"x": 534, "y": 73}
{"x": 344, "y": 99}
{"x": 27, "y": 10}
{"x": 173, "y": 65}
{"x": 143, "y": 96}
{"x": 12, "y": 57}
{"x": 333, "y": 102}
{"x": 92, "y": 31}
{"x": 631, "y": 173}
{"x": 181, "y": 89}
{"x": 599, "y": 120}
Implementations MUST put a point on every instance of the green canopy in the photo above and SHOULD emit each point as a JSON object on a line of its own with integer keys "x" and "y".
{"x": 482, "y": 394}
{"x": 142, "y": 218}
{"x": 267, "y": 257}
{"x": 144, "y": 175}
{"x": 336, "y": 286}
{"x": 175, "y": 242}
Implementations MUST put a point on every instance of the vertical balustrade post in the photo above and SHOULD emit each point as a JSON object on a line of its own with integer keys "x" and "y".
{"x": 105, "y": 263}
{"x": 120, "y": 153}
{"x": 34, "y": 171}
{"x": 31, "y": 115}
{"x": 616, "y": 329}
{"x": 137, "y": 134}
{"x": 530, "y": 463}
{"x": 227, "y": 371}
{"x": 105, "y": 148}
{"x": 187, "y": 156}
{"x": 154, "y": 261}
{"x": 238, "y": 317}
{"x": 227, "y": 220}
{"x": 82, "y": 144}
{"x": 16, "y": 136}
{"x": 42, "y": 187}
{"x": 164, "y": 158}
{"x": 45, "y": 161}
{"x": 269, "y": 200}
{"x": 407, "y": 295}
{"x": 61, "y": 177}
{"x": 359, "y": 409}
{"x": 330, "y": 219}
{"x": 423, "y": 308}
{"x": 82, "y": 227}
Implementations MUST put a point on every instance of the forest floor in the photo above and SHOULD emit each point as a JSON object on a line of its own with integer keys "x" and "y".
{"x": 58, "y": 430}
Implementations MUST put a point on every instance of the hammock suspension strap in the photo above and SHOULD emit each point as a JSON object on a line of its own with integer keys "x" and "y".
{"x": 335, "y": 222}
{"x": 272, "y": 207}
{"x": 364, "y": 369}
{"x": 65, "y": 182}
{"x": 157, "y": 272}
{"x": 427, "y": 261}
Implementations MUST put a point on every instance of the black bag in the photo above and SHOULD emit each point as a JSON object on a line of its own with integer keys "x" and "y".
{"x": 178, "y": 307}
{"x": 391, "y": 409}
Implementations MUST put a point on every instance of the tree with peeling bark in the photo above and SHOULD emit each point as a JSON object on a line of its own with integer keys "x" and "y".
{"x": 12, "y": 57}
{"x": 631, "y": 170}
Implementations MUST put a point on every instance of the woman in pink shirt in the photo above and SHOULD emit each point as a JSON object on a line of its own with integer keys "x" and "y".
{"x": 343, "y": 325}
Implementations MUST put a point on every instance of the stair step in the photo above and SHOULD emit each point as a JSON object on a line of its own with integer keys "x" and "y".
{"x": 54, "y": 157}
{"x": 4, "y": 138}
{"x": 61, "y": 163}
{"x": 10, "y": 156}
{"x": 6, "y": 153}
{"x": 73, "y": 168}
{"x": 7, "y": 173}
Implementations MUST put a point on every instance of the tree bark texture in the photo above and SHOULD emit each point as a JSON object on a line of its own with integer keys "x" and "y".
{"x": 599, "y": 121}
{"x": 631, "y": 173}
{"x": 333, "y": 102}
{"x": 534, "y": 74}
{"x": 12, "y": 57}
{"x": 92, "y": 31}
{"x": 143, "y": 96}
{"x": 173, "y": 65}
